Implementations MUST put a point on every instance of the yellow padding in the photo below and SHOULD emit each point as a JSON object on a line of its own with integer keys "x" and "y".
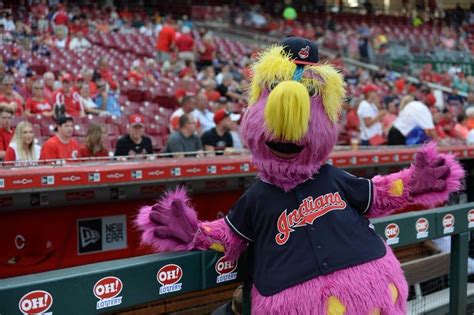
{"x": 375, "y": 312}
{"x": 217, "y": 247}
{"x": 396, "y": 188}
{"x": 287, "y": 111}
{"x": 335, "y": 307}
{"x": 393, "y": 292}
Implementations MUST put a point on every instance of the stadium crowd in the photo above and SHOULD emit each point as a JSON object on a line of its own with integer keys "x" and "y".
{"x": 186, "y": 95}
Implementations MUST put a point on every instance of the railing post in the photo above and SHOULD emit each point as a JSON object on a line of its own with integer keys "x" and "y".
{"x": 458, "y": 273}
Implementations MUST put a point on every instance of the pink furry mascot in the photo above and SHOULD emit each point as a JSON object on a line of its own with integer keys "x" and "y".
{"x": 315, "y": 250}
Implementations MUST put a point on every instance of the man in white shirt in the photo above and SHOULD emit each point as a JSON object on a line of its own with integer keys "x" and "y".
{"x": 370, "y": 116}
{"x": 202, "y": 112}
{"x": 414, "y": 114}
{"x": 79, "y": 43}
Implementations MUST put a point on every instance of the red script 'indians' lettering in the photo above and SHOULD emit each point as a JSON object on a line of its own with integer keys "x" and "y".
{"x": 308, "y": 211}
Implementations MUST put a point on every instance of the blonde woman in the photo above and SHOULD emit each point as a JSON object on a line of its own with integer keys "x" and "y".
{"x": 22, "y": 147}
{"x": 94, "y": 145}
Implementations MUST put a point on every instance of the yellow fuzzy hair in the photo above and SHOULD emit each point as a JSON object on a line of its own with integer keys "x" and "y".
{"x": 287, "y": 114}
{"x": 274, "y": 65}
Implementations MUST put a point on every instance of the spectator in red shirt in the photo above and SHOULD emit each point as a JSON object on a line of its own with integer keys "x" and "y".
{"x": 136, "y": 74}
{"x": 9, "y": 98}
{"x": 66, "y": 101}
{"x": 62, "y": 145}
{"x": 60, "y": 17}
{"x": 185, "y": 45}
{"x": 6, "y": 130}
{"x": 49, "y": 80}
{"x": 166, "y": 40}
{"x": 207, "y": 51}
{"x": 106, "y": 74}
{"x": 94, "y": 145}
{"x": 38, "y": 104}
{"x": 22, "y": 147}
{"x": 447, "y": 123}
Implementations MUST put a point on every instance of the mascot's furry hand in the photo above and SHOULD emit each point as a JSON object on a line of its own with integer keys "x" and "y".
{"x": 172, "y": 225}
{"x": 171, "y": 220}
{"x": 169, "y": 213}
{"x": 429, "y": 175}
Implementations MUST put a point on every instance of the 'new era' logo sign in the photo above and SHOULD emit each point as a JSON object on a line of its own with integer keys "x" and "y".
{"x": 212, "y": 169}
{"x": 94, "y": 177}
{"x": 47, "y": 180}
{"x": 137, "y": 174}
{"x": 2, "y": 183}
{"x": 176, "y": 171}
{"x": 245, "y": 167}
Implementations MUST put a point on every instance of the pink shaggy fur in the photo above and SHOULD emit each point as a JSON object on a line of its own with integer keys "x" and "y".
{"x": 203, "y": 234}
{"x": 360, "y": 288}
{"x": 384, "y": 203}
{"x": 172, "y": 225}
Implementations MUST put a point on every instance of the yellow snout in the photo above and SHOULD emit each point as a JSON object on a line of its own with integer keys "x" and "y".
{"x": 287, "y": 111}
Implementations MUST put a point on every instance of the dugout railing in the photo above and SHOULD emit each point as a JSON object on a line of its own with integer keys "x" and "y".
{"x": 128, "y": 283}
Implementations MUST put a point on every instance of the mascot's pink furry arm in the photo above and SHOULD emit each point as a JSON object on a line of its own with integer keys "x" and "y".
{"x": 315, "y": 250}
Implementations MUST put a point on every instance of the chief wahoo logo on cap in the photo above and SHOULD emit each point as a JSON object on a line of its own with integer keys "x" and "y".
{"x": 304, "y": 52}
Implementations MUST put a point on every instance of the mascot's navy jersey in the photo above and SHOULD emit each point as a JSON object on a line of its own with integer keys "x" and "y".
{"x": 322, "y": 216}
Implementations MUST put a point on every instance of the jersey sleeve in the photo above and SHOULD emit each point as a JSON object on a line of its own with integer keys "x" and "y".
{"x": 357, "y": 190}
{"x": 239, "y": 217}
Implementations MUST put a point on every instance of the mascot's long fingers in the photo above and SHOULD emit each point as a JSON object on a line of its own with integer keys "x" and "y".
{"x": 169, "y": 233}
{"x": 185, "y": 215}
{"x": 170, "y": 225}
{"x": 158, "y": 218}
{"x": 441, "y": 172}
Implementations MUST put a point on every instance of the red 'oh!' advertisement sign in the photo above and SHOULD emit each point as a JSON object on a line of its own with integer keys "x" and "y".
{"x": 392, "y": 231}
{"x": 107, "y": 290}
{"x": 225, "y": 269}
{"x": 169, "y": 276}
{"x": 35, "y": 302}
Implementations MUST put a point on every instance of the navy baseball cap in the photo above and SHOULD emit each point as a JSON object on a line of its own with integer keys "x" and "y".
{"x": 301, "y": 50}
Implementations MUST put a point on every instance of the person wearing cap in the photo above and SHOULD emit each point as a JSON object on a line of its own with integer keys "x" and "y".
{"x": 184, "y": 139}
{"x": 9, "y": 98}
{"x": 187, "y": 107}
{"x": 65, "y": 100}
{"x": 370, "y": 116}
{"x": 135, "y": 142}
{"x": 62, "y": 145}
{"x": 415, "y": 114}
{"x": 219, "y": 138}
{"x": 202, "y": 113}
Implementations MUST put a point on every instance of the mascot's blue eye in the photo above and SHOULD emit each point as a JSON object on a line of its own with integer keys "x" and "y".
{"x": 273, "y": 85}
{"x": 311, "y": 90}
